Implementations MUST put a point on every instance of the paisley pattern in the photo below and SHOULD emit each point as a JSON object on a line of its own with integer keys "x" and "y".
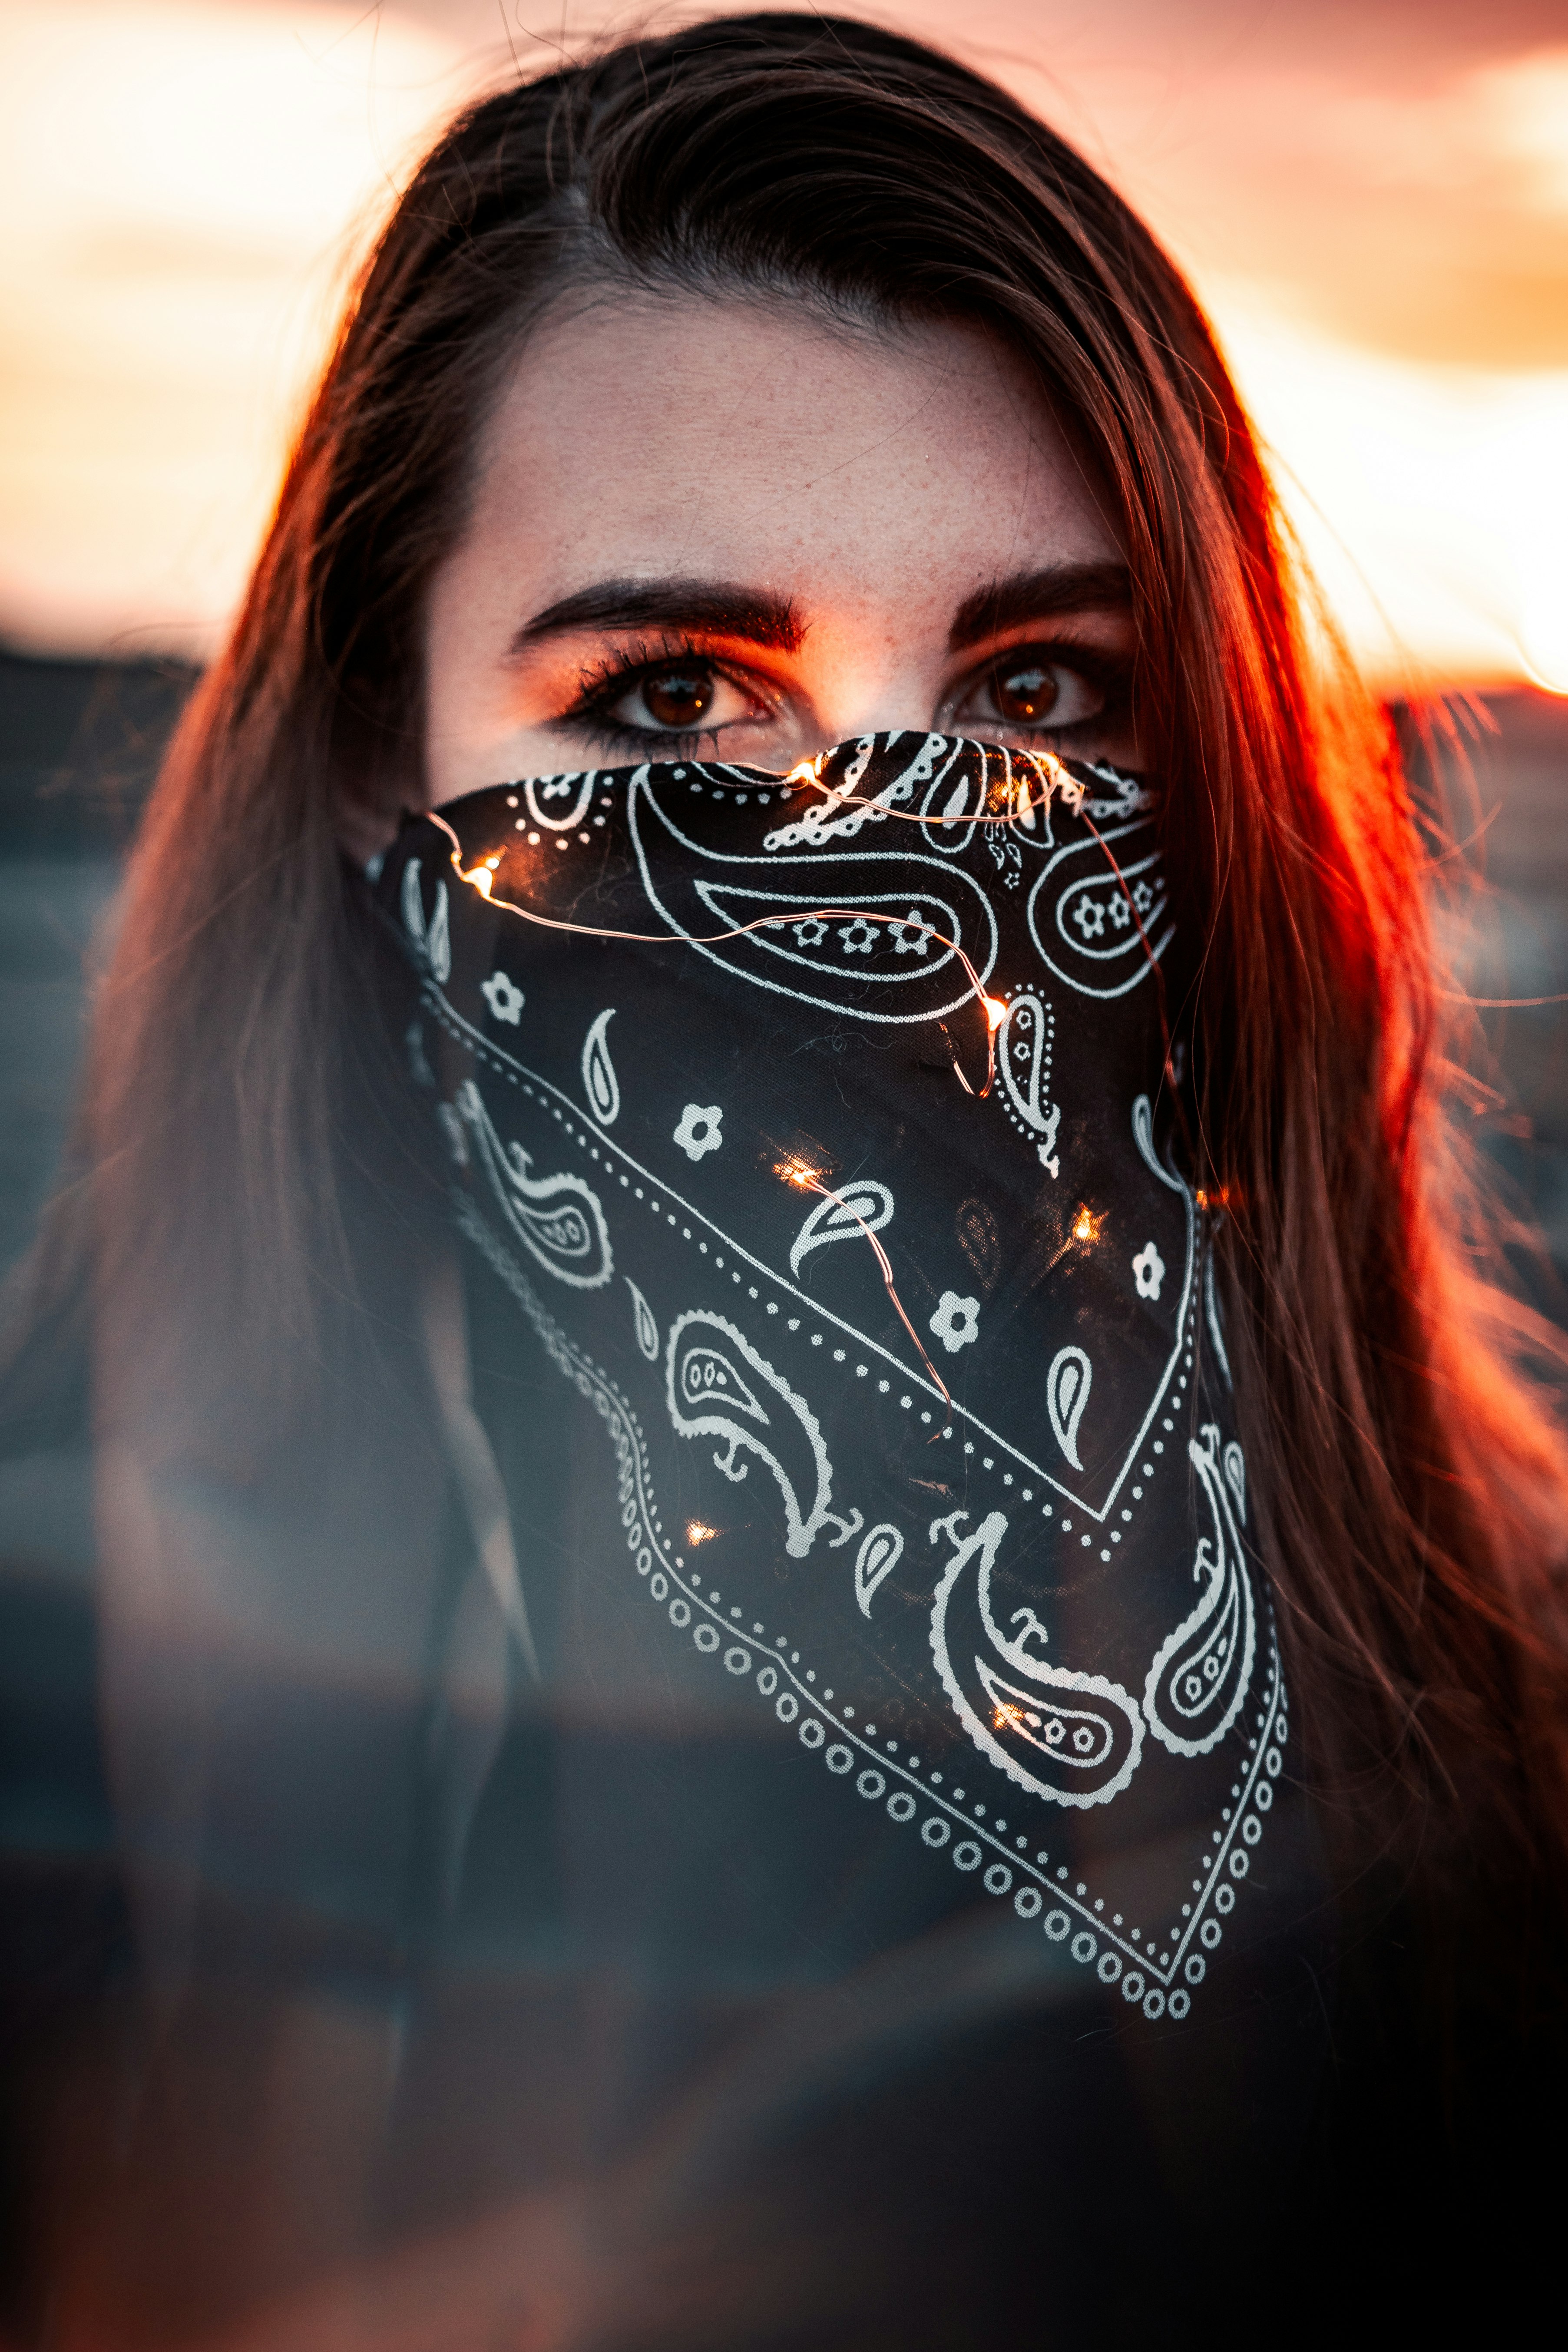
{"x": 882, "y": 1087}
{"x": 557, "y": 1219}
{"x": 876, "y": 931}
{"x": 1200, "y": 1676}
{"x": 759, "y": 1417}
{"x": 1070, "y": 1736}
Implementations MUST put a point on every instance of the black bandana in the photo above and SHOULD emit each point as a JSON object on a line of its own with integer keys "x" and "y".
{"x": 749, "y": 1191}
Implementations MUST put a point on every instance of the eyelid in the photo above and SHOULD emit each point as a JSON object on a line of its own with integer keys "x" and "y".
{"x": 1107, "y": 669}
{"x": 620, "y": 667}
{"x": 618, "y": 673}
{"x": 1065, "y": 652}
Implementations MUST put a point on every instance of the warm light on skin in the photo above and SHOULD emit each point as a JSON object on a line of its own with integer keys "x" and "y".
{"x": 872, "y": 483}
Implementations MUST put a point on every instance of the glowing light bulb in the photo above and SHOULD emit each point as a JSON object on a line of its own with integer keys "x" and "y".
{"x": 995, "y": 1011}
{"x": 481, "y": 876}
{"x": 697, "y": 1533}
{"x": 1086, "y": 1226}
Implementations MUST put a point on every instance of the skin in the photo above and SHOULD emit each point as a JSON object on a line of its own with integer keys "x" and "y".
{"x": 793, "y": 530}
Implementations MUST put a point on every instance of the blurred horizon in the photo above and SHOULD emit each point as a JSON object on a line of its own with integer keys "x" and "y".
{"x": 1371, "y": 203}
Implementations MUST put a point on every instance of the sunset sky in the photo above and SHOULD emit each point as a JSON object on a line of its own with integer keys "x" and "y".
{"x": 1372, "y": 198}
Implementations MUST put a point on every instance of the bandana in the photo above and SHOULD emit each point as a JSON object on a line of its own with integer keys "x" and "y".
{"x": 845, "y": 1327}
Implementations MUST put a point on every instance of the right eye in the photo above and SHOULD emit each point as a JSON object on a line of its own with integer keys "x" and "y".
{"x": 680, "y": 697}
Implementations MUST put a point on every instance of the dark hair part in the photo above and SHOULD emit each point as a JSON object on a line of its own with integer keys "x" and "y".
{"x": 1409, "y": 1484}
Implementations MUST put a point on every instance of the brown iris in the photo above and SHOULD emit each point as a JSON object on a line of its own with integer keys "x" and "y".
{"x": 1025, "y": 695}
{"x": 678, "y": 697}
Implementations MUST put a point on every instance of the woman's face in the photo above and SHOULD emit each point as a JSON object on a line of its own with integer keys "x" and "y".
{"x": 715, "y": 529}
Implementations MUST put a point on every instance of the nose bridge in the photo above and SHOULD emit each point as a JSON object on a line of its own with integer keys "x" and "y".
{"x": 878, "y": 669}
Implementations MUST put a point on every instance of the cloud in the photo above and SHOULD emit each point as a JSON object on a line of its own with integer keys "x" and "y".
{"x": 1373, "y": 199}
{"x": 183, "y": 187}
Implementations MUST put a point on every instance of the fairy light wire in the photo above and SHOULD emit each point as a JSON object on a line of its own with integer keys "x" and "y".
{"x": 800, "y": 1172}
{"x": 480, "y": 877}
{"x": 1022, "y": 804}
{"x": 1052, "y": 777}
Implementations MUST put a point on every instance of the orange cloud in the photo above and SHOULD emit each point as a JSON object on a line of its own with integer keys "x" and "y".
{"x": 1375, "y": 205}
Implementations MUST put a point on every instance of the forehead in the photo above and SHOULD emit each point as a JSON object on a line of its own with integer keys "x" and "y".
{"x": 750, "y": 440}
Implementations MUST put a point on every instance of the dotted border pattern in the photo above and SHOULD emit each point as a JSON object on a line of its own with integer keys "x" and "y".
{"x": 1158, "y": 1988}
{"x": 1047, "y": 1061}
{"x": 593, "y": 1140}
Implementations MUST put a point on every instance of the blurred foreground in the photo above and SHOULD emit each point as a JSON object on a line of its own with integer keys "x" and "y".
{"x": 79, "y": 746}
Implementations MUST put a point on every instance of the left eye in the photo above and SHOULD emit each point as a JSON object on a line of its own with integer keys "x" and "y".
{"x": 678, "y": 696}
{"x": 1025, "y": 690}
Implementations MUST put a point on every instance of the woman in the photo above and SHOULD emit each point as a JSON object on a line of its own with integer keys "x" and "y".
{"x": 638, "y": 1832}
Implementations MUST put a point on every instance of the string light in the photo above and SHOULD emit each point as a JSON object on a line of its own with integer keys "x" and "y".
{"x": 1015, "y": 803}
{"x": 1052, "y": 777}
{"x": 798, "y": 1171}
{"x": 483, "y": 877}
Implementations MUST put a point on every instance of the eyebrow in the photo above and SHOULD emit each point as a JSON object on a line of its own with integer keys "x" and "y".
{"x": 716, "y": 606}
{"x": 1040, "y": 597}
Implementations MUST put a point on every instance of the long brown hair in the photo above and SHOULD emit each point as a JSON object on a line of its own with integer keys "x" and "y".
{"x": 1410, "y": 1482}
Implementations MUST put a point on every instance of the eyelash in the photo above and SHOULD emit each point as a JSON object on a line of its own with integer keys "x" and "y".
{"x": 1111, "y": 674}
{"x": 609, "y": 679}
{"x": 606, "y": 682}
